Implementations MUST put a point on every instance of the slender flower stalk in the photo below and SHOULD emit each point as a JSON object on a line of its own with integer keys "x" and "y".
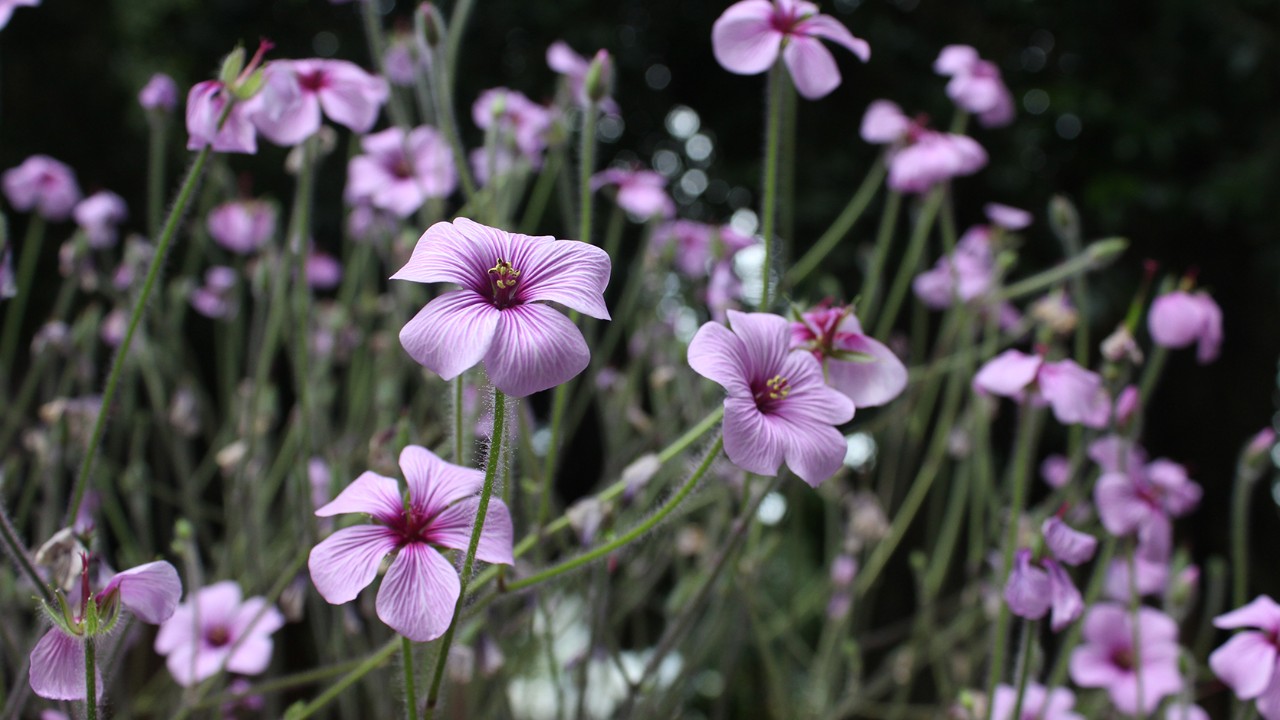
{"x": 27, "y": 261}
{"x": 910, "y": 261}
{"x": 156, "y": 156}
{"x": 442, "y": 71}
{"x": 852, "y": 212}
{"x": 410, "y": 680}
{"x": 90, "y": 680}
{"x": 1029, "y": 628}
{"x": 299, "y": 245}
{"x": 870, "y": 295}
{"x": 769, "y": 208}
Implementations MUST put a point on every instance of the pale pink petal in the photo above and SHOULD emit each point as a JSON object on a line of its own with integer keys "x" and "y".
{"x": 828, "y": 28}
{"x": 868, "y": 384}
{"x": 884, "y": 123}
{"x": 1027, "y": 590}
{"x": 743, "y": 38}
{"x": 435, "y": 484}
{"x": 751, "y": 439}
{"x": 955, "y": 59}
{"x": 1246, "y": 663}
{"x": 57, "y": 667}
{"x": 810, "y": 400}
{"x": 346, "y": 562}
{"x": 1077, "y": 395}
{"x": 419, "y": 593}
{"x": 717, "y": 354}
{"x": 150, "y": 591}
{"x": 1008, "y": 373}
{"x": 1262, "y": 612}
{"x": 371, "y": 494}
{"x": 1210, "y": 333}
{"x": 456, "y": 252}
{"x": 535, "y": 348}
{"x": 252, "y": 657}
{"x": 245, "y": 621}
{"x": 766, "y": 339}
{"x": 452, "y": 529}
{"x": 453, "y": 332}
{"x": 191, "y": 663}
{"x": 813, "y": 451}
{"x": 812, "y": 67}
{"x": 351, "y": 97}
{"x": 1269, "y": 700}
{"x": 281, "y": 111}
{"x": 1091, "y": 666}
{"x": 562, "y": 59}
{"x": 1068, "y": 545}
{"x": 571, "y": 273}
{"x": 1120, "y": 508}
{"x": 1176, "y": 319}
{"x": 1066, "y": 599}
{"x": 1009, "y": 218}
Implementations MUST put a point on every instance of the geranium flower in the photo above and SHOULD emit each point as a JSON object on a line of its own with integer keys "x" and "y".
{"x": 43, "y": 184}
{"x": 218, "y": 629}
{"x": 1076, "y": 395}
{"x": 421, "y": 588}
{"x": 748, "y": 37}
{"x": 98, "y": 215}
{"x": 640, "y": 192}
{"x": 242, "y": 226}
{"x": 1247, "y": 662}
{"x": 698, "y": 248}
{"x": 1038, "y": 703}
{"x": 1143, "y": 500}
{"x": 778, "y": 406}
{"x": 388, "y": 179}
{"x": 966, "y": 274}
{"x": 149, "y": 591}
{"x": 513, "y": 115}
{"x": 1036, "y": 586}
{"x": 288, "y": 110}
{"x": 205, "y": 104}
{"x": 919, "y": 158}
{"x": 860, "y": 367}
{"x": 1179, "y": 318}
{"x": 1108, "y": 659}
{"x": 499, "y": 315}
{"x": 975, "y": 85}
{"x": 160, "y": 93}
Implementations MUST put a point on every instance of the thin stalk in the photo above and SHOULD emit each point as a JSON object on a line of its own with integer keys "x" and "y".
{"x": 630, "y": 536}
{"x": 834, "y": 234}
{"x": 490, "y": 473}
{"x": 1098, "y": 255}
{"x": 27, "y": 262}
{"x": 1240, "y": 536}
{"x": 458, "y": 440}
{"x": 135, "y": 319}
{"x": 1029, "y": 628}
{"x": 19, "y": 553}
{"x": 541, "y": 193}
{"x": 90, "y": 680}
{"x": 372, "y": 663}
{"x": 457, "y": 23}
{"x": 880, "y": 254}
{"x": 586, "y": 167}
{"x": 769, "y": 209}
{"x": 910, "y": 261}
{"x": 297, "y": 240}
{"x": 410, "y": 690}
{"x": 306, "y": 677}
{"x": 443, "y": 86}
{"x": 1135, "y": 605}
{"x": 1058, "y": 674}
{"x": 159, "y": 122}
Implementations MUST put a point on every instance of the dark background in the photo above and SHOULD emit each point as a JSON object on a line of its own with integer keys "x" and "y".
{"x": 1161, "y": 124}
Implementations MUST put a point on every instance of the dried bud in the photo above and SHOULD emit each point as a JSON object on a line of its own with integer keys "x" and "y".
{"x": 1120, "y": 346}
{"x": 63, "y": 555}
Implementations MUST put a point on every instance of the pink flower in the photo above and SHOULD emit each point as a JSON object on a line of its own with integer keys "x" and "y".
{"x": 640, "y": 192}
{"x": 562, "y": 59}
{"x": 8, "y": 6}
{"x": 420, "y": 590}
{"x": 860, "y": 367}
{"x": 1036, "y": 587}
{"x": 1076, "y": 395}
{"x": 1038, "y": 703}
{"x": 214, "y": 298}
{"x": 749, "y": 36}
{"x": 295, "y": 92}
{"x": 1108, "y": 658}
{"x": 1144, "y": 500}
{"x": 975, "y": 85}
{"x": 966, "y": 274}
{"x": 1247, "y": 662}
{"x": 98, "y": 215}
{"x": 324, "y": 272}
{"x": 1179, "y": 318}
{"x": 696, "y": 247}
{"x": 218, "y": 629}
{"x": 160, "y": 93}
{"x": 149, "y": 591}
{"x": 242, "y": 226}
{"x": 43, "y": 184}
{"x": 500, "y": 315}
{"x": 515, "y": 118}
{"x": 205, "y": 104}
{"x": 1009, "y": 218}
{"x": 919, "y": 158}
{"x": 778, "y": 406}
{"x": 390, "y": 180}
{"x": 1151, "y": 578}
{"x": 1055, "y": 471}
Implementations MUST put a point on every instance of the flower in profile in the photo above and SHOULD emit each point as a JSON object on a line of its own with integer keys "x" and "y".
{"x": 215, "y": 629}
{"x": 8, "y": 6}
{"x": 1038, "y": 703}
{"x": 1143, "y": 499}
{"x": 150, "y": 592}
{"x": 159, "y": 94}
{"x": 966, "y": 274}
{"x": 1247, "y": 662}
{"x": 500, "y": 316}
{"x": 860, "y": 367}
{"x": 640, "y": 192}
{"x": 242, "y": 226}
{"x": 206, "y": 104}
{"x": 418, "y": 594}
{"x": 295, "y": 92}
{"x": 562, "y": 59}
{"x": 1180, "y": 318}
{"x": 919, "y": 157}
{"x": 1108, "y": 659}
{"x": 1076, "y": 395}
{"x": 42, "y": 184}
{"x": 214, "y": 299}
{"x": 515, "y": 118}
{"x": 777, "y": 406}
{"x": 748, "y": 37}
{"x": 98, "y": 215}
{"x": 389, "y": 179}
{"x": 1036, "y": 586}
{"x": 975, "y": 85}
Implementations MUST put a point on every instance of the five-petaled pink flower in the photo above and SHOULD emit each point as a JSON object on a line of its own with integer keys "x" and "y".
{"x": 778, "y": 406}
{"x": 499, "y": 315}
{"x": 859, "y": 366}
{"x": 295, "y": 91}
{"x": 1108, "y": 659}
{"x": 1248, "y": 662}
{"x": 43, "y": 184}
{"x": 1180, "y": 318}
{"x": 242, "y": 226}
{"x": 1076, "y": 395}
{"x": 216, "y": 629}
{"x": 749, "y": 36}
{"x": 389, "y": 179}
{"x": 421, "y": 587}
{"x": 1143, "y": 499}
{"x": 149, "y": 591}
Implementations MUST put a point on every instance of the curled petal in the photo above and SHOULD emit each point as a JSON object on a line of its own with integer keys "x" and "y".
{"x": 1066, "y": 600}
{"x": 868, "y": 384}
{"x": 814, "y": 451}
{"x": 1068, "y": 545}
{"x": 1262, "y": 612}
{"x": 1008, "y": 373}
{"x": 828, "y": 28}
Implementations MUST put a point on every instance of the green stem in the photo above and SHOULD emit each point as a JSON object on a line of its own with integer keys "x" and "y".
{"x": 27, "y": 262}
{"x": 1098, "y": 255}
{"x": 1100, "y": 567}
{"x": 90, "y": 680}
{"x": 305, "y": 677}
{"x": 410, "y": 691}
{"x": 541, "y": 193}
{"x": 135, "y": 319}
{"x": 372, "y": 663}
{"x": 159, "y": 122}
{"x": 19, "y": 553}
{"x": 910, "y": 261}
{"x": 443, "y": 87}
{"x": 834, "y": 234}
{"x": 769, "y": 209}
{"x": 1024, "y": 665}
{"x": 458, "y": 438}
{"x": 490, "y": 473}
{"x": 298, "y": 240}
{"x": 1240, "y": 536}
{"x": 629, "y": 537}
{"x": 457, "y": 23}
{"x": 586, "y": 167}
{"x": 870, "y": 302}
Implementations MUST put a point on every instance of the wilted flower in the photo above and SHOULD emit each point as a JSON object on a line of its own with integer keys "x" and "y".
{"x": 975, "y": 85}
{"x": 43, "y": 184}
{"x": 1179, "y": 318}
{"x": 98, "y": 215}
{"x": 389, "y": 179}
{"x": 288, "y": 109}
{"x": 216, "y": 629}
{"x": 1076, "y": 395}
{"x": 1108, "y": 659}
{"x": 160, "y": 93}
{"x": 859, "y": 366}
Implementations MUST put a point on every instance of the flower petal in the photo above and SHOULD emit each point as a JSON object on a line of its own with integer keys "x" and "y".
{"x": 568, "y": 272}
{"x": 562, "y": 59}
{"x": 452, "y": 528}
{"x": 812, "y": 67}
{"x": 1246, "y": 663}
{"x": 867, "y": 384}
{"x": 828, "y": 28}
{"x": 750, "y": 439}
{"x": 810, "y": 400}
{"x": 535, "y": 348}
{"x": 351, "y": 96}
{"x": 1066, "y": 599}
{"x": 766, "y": 340}
{"x": 346, "y": 562}
{"x": 717, "y": 354}
{"x": 743, "y": 39}
{"x": 57, "y": 667}
{"x": 150, "y": 591}
{"x": 1067, "y": 544}
{"x": 814, "y": 451}
{"x": 457, "y": 252}
{"x": 419, "y": 593}
{"x": 452, "y": 333}
{"x": 1262, "y": 612}
{"x": 435, "y": 484}
{"x": 246, "y": 621}
{"x": 252, "y": 657}
{"x": 1008, "y": 373}
{"x": 370, "y": 493}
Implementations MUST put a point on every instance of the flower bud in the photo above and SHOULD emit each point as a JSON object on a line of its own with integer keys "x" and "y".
{"x": 430, "y": 25}
{"x": 599, "y": 78}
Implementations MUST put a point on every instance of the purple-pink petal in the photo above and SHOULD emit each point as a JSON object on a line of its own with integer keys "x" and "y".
{"x": 1246, "y": 663}
{"x": 571, "y": 273}
{"x": 1262, "y": 612}
{"x": 813, "y": 450}
{"x": 535, "y": 348}
{"x": 1077, "y": 395}
{"x": 1066, "y": 600}
{"x": 743, "y": 38}
{"x": 717, "y": 354}
{"x": 765, "y": 338}
{"x": 813, "y": 69}
{"x": 884, "y": 123}
{"x": 347, "y": 561}
{"x": 1008, "y": 373}
{"x": 435, "y": 484}
{"x": 867, "y": 384}
{"x": 370, "y": 493}
{"x": 452, "y": 333}
{"x": 57, "y": 667}
{"x": 752, "y": 440}
{"x": 828, "y": 28}
{"x": 418, "y": 594}
{"x": 1027, "y": 590}
{"x": 150, "y": 591}
{"x": 452, "y": 529}
{"x": 1068, "y": 545}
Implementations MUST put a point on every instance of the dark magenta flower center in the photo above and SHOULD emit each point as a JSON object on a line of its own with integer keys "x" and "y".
{"x": 218, "y": 636}
{"x": 503, "y": 280}
{"x": 401, "y": 168}
{"x": 1123, "y": 658}
{"x": 770, "y": 393}
{"x": 313, "y": 81}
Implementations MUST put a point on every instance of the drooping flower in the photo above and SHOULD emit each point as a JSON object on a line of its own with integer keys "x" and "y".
{"x": 42, "y": 184}
{"x": 206, "y": 103}
{"x": 640, "y": 192}
{"x": 159, "y": 94}
{"x": 859, "y": 366}
{"x": 748, "y": 37}
{"x": 1180, "y": 318}
{"x": 346, "y": 93}
{"x": 1036, "y": 586}
{"x": 98, "y": 215}
{"x": 1108, "y": 659}
{"x": 975, "y": 85}
{"x": 919, "y": 158}
{"x": 777, "y": 406}
{"x": 418, "y": 594}
{"x": 1038, "y": 703}
{"x": 562, "y": 59}
{"x": 242, "y": 226}
{"x": 1076, "y": 395}
{"x": 150, "y": 592}
{"x": 8, "y": 6}
{"x": 216, "y": 629}
{"x": 500, "y": 316}
{"x": 1247, "y": 662}
{"x": 388, "y": 179}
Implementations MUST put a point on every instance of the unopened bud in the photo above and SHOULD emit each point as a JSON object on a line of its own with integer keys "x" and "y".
{"x": 232, "y": 65}
{"x": 1064, "y": 219}
{"x": 430, "y": 25}
{"x": 599, "y": 78}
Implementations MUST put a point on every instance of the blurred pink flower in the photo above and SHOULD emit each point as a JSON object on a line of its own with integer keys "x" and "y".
{"x": 964, "y": 275}
{"x": 1108, "y": 659}
{"x": 1144, "y": 500}
{"x": 218, "y": 628}
{"x": 98, "y": 215}
{"x": 160, "y": 93}
{"x": 1077, "y": 395}
{"x": 288, "y": 109}
{"x": 1179, "y": 318}
{"x": 1009, "y": 218}
{"x": 640, "y": 192}
{"x": 562, "y": 59}
{"x": 1247, "y": 662}
{"x": 389, "y": 179}
{"x": 43, "y": 184}
{"x": 748, "y": 37}
{"x": 324, "y": 271}
{"x": 205, "y": 104}
{"x": 858, "y": 366}
{"x": 919, "y": 158}
{"x": 1038, "y": 703}
{"x": 8, "y": 6}
{"x": 698, "y": 248}
{"x": 515, "y": 118}
{"x": 975, "y": 85}
{"x": 242, "y": 226}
